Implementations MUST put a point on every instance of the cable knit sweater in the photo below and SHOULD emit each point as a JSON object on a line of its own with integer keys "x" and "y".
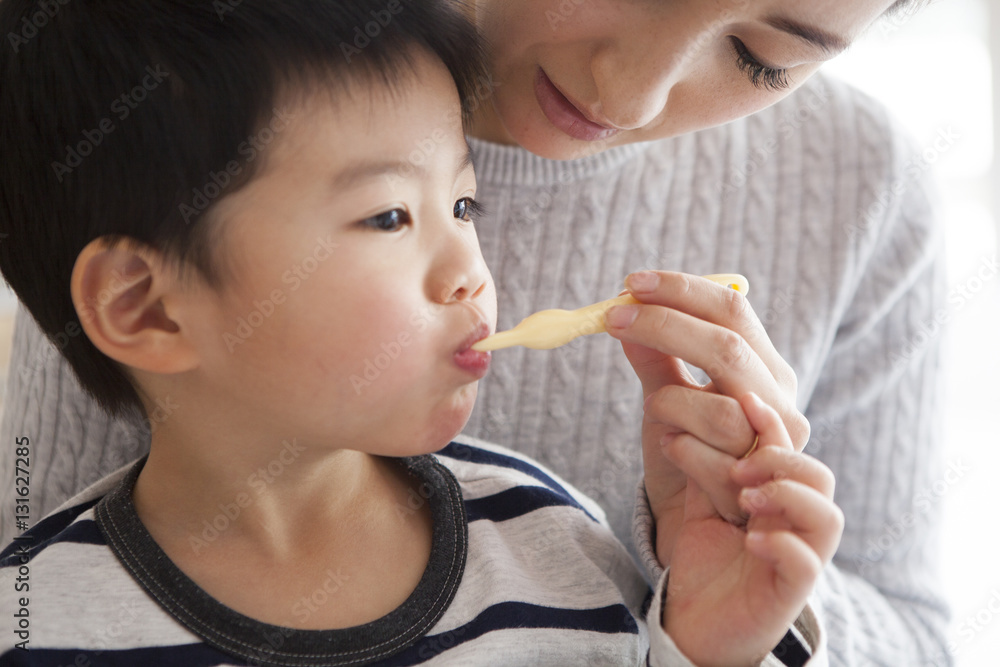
{"x": 818, "y": 200}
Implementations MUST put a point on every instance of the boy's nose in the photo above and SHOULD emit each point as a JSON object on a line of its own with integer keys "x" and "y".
{"x": 460, "y": 272}
{"x": 462, "y": 290}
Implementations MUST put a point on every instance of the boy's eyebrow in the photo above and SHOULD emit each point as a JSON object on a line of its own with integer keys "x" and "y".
{"x": 364, "y": 170}
{"x": 465, "y": 161}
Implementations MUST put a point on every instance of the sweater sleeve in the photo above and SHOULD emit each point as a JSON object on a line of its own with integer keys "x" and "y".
{"x": 876, "y": 421}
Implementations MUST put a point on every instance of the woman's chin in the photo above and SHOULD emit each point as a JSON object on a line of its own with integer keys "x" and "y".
{"x": 533, "y": 132}
{"x": 512, "y": 124}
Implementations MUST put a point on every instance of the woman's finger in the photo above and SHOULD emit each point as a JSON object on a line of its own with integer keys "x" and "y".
{"x": 794, "y": 563}
{"x": 729, "y": 361}
{"x": 708, "y": 468}
{"x": 714, "y": 419}
{"x": 766, "y": 421}
{"x": 737, "y": 359}
{"x": 731, "y": 364}
{"x": 709, "y": 301}
{"x": 656, "y": 369}
{"x": 810, "y": 514}
{"x": 776, "y": 463}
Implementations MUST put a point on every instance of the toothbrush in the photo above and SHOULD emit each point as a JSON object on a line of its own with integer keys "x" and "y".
{"x": 549, "y": 329}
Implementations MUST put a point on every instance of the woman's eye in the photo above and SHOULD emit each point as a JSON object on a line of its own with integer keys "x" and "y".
{"x": 389, "y": 221}
{"x": 761, "y": 76}
{"x": 467, "y": 207}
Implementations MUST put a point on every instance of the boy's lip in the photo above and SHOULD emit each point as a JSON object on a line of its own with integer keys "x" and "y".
{"x": 564, "y": 114}
{"x": 472, "y": 361}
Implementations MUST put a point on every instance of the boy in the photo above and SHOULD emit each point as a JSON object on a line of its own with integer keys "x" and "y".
{"x": 259, "y": 215}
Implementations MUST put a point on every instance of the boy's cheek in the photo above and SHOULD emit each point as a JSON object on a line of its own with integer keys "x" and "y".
{"x": 397, "y": 347}
{"x": 424, "y": 317}
{"x": 397, "y": 366}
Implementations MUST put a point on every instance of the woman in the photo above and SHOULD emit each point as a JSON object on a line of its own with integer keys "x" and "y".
{"x": 618, "y": 136}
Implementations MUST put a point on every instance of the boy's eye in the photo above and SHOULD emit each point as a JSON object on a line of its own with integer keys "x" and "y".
{"x": 467, "y": 207}
{"x": 389, "y": 221}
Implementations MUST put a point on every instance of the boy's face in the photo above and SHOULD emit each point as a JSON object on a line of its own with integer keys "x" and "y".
{"x": 356, "y": 282}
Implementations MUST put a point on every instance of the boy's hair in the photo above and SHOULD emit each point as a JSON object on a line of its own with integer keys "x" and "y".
{"x": 130, "y": 119}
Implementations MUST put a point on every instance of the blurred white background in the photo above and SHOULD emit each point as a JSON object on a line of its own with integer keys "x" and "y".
{"x": 939, "y": 69}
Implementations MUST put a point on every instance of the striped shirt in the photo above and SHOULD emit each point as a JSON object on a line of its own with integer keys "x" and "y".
{"x": 523, "y": 571}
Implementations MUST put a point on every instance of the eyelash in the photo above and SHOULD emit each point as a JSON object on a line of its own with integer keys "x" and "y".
{"x": 400, "y": 217}
{"x": 760, "y": 75}
{"x": 474, "y": 208}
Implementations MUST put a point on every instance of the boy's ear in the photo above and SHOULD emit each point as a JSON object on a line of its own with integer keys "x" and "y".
{"x": 123, "y": 293}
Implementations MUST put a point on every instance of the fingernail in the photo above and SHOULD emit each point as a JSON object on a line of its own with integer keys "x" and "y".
{"x": 741, "y": 465}
{"x": 620, "y": 317}
{"x": 755, "y": 536}
{"x": 643, "y": 281}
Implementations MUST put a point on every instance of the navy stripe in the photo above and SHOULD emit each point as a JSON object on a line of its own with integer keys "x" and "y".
{"x": 516, "y": 502}
{"x": 613, "y": 619}
{"x": 790, "y": 651}
{"x": 189, "y": 655}
{"x": 470, "y": 454}
{"x": 646, "y": 603}
{"x": 50, "y": 530}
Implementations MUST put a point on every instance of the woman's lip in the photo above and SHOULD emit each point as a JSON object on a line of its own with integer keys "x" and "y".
{"x": 472, "y": 361}
{"x": 564, "y": 114}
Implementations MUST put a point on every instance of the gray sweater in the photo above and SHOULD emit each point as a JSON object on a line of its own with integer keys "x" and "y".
{"x": 819, "y": 201}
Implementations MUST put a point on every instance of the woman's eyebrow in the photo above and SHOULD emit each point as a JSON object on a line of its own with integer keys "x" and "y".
{"x": 827, "y": 41}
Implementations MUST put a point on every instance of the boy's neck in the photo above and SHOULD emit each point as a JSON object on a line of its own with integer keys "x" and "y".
{"x": 283, "y": 511}
{"x": 268, "y": 494}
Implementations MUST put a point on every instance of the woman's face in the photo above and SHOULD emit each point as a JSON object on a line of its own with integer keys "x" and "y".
{"x": 574, "y": 77}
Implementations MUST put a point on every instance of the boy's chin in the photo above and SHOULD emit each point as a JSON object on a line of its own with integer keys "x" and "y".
{"x": 439, "y": 427}
{"x": 446, "y": 429}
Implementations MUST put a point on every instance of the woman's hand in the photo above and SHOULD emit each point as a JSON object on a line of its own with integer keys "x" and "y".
{"x": 732, "y": 594}
{"x": 691, "y": 430}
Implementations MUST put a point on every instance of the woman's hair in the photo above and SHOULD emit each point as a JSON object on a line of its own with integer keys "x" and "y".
{"x": 129, "y": 119}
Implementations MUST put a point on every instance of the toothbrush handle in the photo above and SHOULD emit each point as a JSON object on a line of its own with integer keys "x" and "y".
{"x": 590, "y": 319}
{"x": 732, "y": 280}
{"x": 548, "y": 329}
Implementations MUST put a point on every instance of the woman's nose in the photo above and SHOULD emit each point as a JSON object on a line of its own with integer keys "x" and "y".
{"x": 636, "y": 76}
{"x": 631, "y": 93}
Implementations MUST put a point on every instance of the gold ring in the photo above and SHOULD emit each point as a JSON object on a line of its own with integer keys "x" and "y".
{"x": 753, "y": 447}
